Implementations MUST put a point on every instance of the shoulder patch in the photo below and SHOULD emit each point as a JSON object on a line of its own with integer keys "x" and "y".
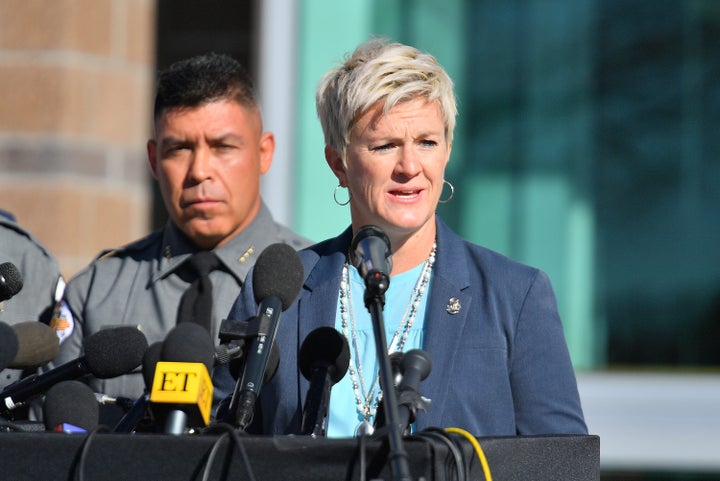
{"x": 59, "y": 289}
{"x": 62, "y": 321}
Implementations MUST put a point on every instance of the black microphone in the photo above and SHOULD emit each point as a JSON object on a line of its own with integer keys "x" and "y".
{"x": 323, "y": 360}
{"x": 181, "y": 393}
{"x": 9, "y": 345}
{"x": 188, "y": 342}
{"x": 277, "y": 279}
{"x": 415, "y": 366}
{"x": 71, "y": 407}
{"x": 38, "y": 345}
{"x": 370, "y": 251}
{"x": 108, "y": 353}
{"x": 228, "y": 352}
{"x": 139, "y": 416}
{"x": 10, "y": 281}
{"x": 371, "y": 255}
{"x": 149, "y": 362}
{"x": 236, "y": 366}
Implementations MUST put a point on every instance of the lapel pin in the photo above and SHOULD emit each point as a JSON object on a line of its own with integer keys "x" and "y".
{"x": 453, "y": 306}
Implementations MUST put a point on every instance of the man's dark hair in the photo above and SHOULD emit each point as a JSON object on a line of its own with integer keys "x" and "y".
{"x": 202, "y": 79}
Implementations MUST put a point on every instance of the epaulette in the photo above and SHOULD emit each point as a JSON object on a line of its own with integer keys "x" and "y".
{"x": 133, "y": 246}
{"x": 9, "y": 222}
{"x": 7, "y": 215}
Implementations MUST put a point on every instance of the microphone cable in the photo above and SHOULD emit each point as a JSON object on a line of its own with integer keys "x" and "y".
{"x": 234, "y": 435}
{"x": 478, "y": 450}
{"x": 445, "y": 436}
{"x": 85, "y": 448}
{"x": 437, "y": 434}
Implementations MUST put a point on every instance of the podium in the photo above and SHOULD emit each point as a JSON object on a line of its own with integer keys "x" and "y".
{"x": 42, "y": 455}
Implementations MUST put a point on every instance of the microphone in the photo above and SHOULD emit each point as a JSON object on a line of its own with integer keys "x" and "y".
{"x": 71, "y": 407}
{"x": 125, "y": 403}
{"x": 415, "y": 366}
{"x": 371, "y": 255}
{"x": 139, "y": 410}
{"x": 9, "y": 345}
{"x": 182, "y": 389}
{"x": 323, "y": 360}
{"x": 370, "y": 251}
{"x": 108, "y": 353}
{"x": 38, "y": 345}
{"x": 277, "y": 279}
{"x": 10, "y": 281}
{"x": 227, "y": 353}
{"x": 149, "y": 361}
{"x": 237, "y": 366}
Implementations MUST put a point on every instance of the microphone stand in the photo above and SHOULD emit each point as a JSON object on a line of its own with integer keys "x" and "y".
{"x": 376, "y": 283}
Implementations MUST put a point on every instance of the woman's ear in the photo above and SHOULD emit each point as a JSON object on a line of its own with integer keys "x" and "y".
{"x": 335, "y": 161}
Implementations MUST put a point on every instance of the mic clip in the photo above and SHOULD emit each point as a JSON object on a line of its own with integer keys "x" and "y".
{"x": 414, "y": 401}
{"x": 233, "y": 329}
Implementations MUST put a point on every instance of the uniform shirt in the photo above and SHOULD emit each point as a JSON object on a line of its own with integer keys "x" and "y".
{"x": 42, "y": 282}
{"x": 141, "y": 285}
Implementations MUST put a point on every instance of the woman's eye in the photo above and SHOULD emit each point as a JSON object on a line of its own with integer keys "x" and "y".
{"x": 383, "y": 147}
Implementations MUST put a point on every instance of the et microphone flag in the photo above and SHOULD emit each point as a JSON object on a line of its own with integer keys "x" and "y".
{"x": 184, "y": 386}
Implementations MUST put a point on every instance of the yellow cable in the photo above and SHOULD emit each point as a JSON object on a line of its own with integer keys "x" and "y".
{"x": 478, "y": 450}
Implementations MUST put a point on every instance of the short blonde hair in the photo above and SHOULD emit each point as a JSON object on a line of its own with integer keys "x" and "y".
{"x": 379, "y": 70}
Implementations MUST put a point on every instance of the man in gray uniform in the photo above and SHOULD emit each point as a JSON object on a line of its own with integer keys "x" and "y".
{"x": 207, "y": 156}
{"x": 41, "y": 279}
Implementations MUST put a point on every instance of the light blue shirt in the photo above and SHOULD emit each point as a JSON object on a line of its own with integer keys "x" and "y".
{"x": 343, "y": 415}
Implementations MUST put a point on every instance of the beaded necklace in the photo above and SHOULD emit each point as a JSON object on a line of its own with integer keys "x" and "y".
{"x": 366, "y": 400}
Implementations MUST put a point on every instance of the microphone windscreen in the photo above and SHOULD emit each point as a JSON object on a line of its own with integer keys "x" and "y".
{"x": 224, "y": 353}
{"x": 278, "y": 272}
{"x": 189, "y": 342}
{"x": 370, "y": 250}
{"x": 149, "y": 361}
{"x": 10, "y": 281}
{"x": 38, "y": 345}
{"x": 71, "y": 402}
{"x": 9, "y": 345}
{"x": 416, "y": 366}
{"x": 116, "y": 351}
{"x": 237, "y": 365}
{"x": 324, "y": 347}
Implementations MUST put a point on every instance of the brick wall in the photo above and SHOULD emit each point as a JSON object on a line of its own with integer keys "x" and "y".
{"x": 76, "y": 86}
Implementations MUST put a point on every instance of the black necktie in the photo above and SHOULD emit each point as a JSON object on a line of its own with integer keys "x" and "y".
{"x": 196, "y": 302}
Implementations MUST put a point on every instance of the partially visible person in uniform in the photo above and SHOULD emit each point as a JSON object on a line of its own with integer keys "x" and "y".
{"x": 207, "y": 156}
{"x": 42, "y": 282}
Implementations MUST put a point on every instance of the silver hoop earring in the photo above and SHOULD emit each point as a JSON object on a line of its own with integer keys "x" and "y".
{"x": 452, "y": 193}
{"x": 336, "y": 199}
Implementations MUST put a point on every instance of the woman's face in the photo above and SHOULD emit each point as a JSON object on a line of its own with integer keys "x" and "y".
{"x": 395, "y": 166}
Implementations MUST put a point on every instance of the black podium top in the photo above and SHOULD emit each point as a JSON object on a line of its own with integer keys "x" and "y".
{"x": 41, "y": 455}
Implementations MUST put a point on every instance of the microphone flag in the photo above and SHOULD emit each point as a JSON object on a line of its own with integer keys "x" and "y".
{"x": 183, "y": 383}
